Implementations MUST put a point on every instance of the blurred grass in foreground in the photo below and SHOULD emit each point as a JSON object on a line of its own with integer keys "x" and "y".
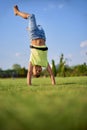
{"x": 43, "y": 106}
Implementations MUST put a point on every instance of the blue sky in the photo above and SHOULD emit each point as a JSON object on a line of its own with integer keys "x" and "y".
{"x": 65, "y": 25}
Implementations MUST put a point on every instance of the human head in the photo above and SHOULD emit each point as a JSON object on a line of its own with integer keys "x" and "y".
{"x": 37, "y": 70}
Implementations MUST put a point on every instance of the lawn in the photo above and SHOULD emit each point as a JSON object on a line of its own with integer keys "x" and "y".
{"x": 43, "y": 106}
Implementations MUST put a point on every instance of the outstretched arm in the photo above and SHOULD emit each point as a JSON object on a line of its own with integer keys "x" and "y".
{"x": 51, "y": 75}
{"x": 19, "y": 13}
{"x": 29, "y": 74}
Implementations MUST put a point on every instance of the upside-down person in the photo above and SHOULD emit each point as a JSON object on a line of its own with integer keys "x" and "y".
{"x": 38, "y": 56}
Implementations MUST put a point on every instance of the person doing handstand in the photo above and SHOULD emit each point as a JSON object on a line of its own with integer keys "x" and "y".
{"x": 38, "y": 56}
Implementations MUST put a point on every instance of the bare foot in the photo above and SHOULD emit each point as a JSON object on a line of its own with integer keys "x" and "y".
{"x": 16, "y": 9}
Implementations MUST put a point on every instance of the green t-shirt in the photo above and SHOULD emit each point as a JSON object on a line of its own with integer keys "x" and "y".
{"x": 39, "y": 57}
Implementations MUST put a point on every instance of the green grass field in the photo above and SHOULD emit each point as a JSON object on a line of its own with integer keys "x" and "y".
{"x": 43, "y": 106}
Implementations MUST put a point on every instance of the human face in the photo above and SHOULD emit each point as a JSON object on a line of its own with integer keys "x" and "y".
{"x": 37, "y": 70}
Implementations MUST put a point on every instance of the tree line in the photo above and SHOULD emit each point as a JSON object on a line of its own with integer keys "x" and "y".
{"x": 65, "y": 70}
{"x": 16, "y": 71}
{"x": 60, "y": 70}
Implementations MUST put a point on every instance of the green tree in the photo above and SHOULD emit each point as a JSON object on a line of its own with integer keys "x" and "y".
{"x": 54, "y": 68}
{"x": 61, "y": 68}
{"x": 23, "y": 72}
{"x": 16, "y": 67}
{"x": 80, "y": 70}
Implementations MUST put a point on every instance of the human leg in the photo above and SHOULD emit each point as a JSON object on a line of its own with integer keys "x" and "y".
{"x": 19, "y": 13}
{"x": 32, "y": 19}
{"x": 32, "y": 23}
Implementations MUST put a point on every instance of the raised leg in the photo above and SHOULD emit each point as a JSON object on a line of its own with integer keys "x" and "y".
{"x": 17, "y": 12}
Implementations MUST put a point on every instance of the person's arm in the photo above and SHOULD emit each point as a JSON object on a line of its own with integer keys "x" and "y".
{"x": 51, "y": 74}
{"x": 29, "y": 74}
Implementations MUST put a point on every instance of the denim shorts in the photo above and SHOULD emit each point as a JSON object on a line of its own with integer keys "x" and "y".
{"x": 35, "y": 31}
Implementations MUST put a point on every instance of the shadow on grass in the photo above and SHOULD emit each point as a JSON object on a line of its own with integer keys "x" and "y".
{"x": 49, "y": 84}
{"x": 66, "y": 83}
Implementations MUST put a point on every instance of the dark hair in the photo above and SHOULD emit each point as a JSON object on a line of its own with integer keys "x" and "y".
{"x": 37, "y": 75}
